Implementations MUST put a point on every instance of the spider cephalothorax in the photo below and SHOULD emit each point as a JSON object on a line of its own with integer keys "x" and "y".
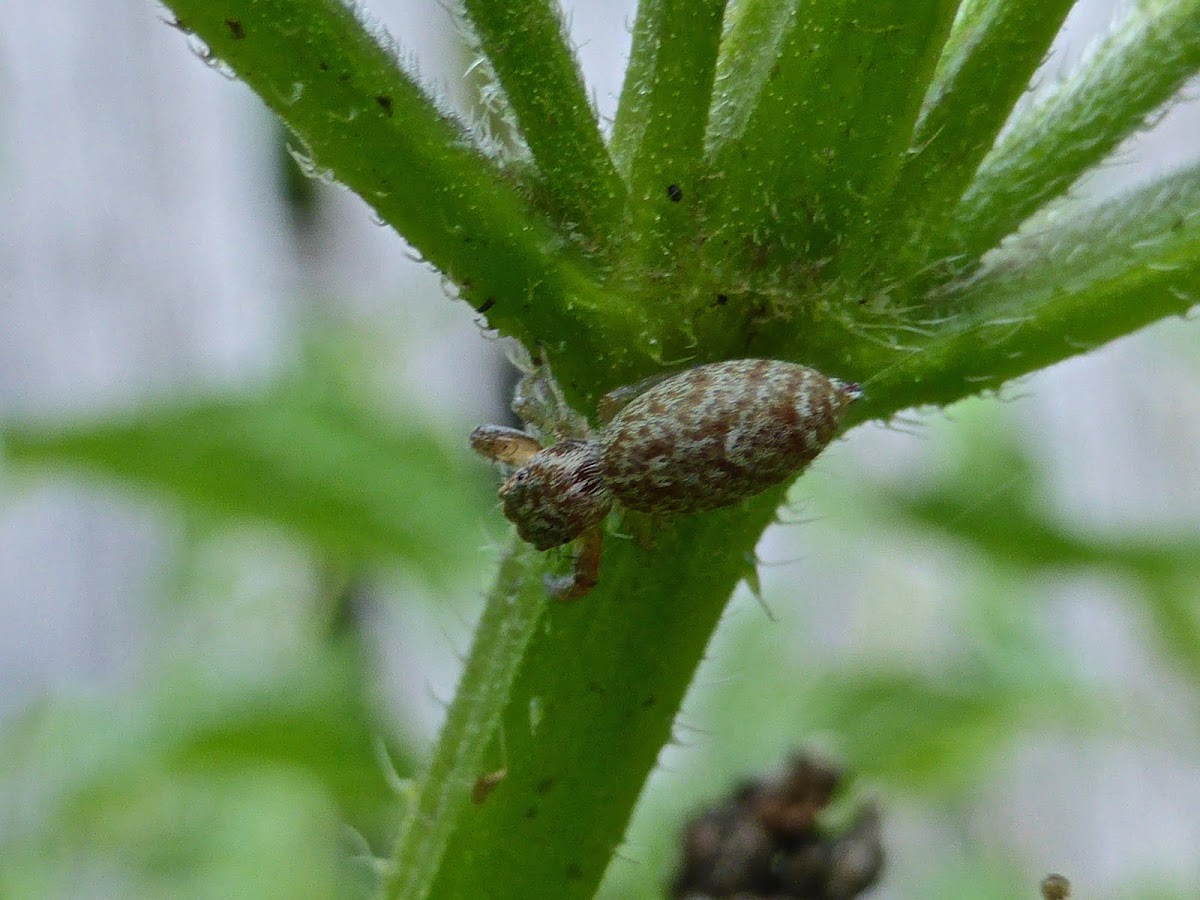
{"x": 557, "y": 494}
{"x": 696, "y": 440}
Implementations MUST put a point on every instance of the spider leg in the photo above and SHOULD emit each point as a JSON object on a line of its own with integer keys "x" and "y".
{"x": 506, "y": 445}
{"x": 586, "y": 571}
{"x": 642, "y": 527}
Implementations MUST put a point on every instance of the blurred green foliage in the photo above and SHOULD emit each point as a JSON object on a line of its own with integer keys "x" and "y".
{"x": 201, "y": 783}
{"x": 307, "y": 454}
{"x": 250, "y": 759}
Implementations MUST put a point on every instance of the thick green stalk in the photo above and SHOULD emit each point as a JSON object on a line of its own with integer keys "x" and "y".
{"x": 514, "y": 608}
{"x": 829, "y": 129}
{"x": 592, "y": 706}
{"x": 1144, "y": 62}
{"x": 664, "y": 113}
{"x": 525, "y": 42}
{"x": 339, "y": 87}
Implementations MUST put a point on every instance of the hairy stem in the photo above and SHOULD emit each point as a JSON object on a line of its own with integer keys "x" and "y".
{"x": 526, "y": 43}
{"x": 366, "y": 120}
{"x": 1140, "y": 66}
{"x": 514, "y": 608}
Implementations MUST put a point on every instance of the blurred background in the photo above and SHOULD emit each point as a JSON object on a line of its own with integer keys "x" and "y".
{"x": 990, "y": 613}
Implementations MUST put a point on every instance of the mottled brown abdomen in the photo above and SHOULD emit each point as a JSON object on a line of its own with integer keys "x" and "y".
{"x": 713, "y": 435}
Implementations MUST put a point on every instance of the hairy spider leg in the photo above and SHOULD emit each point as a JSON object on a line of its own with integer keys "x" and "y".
{"x": 506, "y": 445}
{"x": 586, "y": 569}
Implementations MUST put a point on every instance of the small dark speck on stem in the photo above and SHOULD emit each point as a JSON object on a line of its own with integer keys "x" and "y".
{"x": 385, "y": 103}
{"x": 674, "y": 193}
{"x": 235, "y": 29}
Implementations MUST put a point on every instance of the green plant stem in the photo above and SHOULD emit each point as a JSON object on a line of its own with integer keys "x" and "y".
{"x": 592, "y": 705}
{"x": 754, "y": 32}
{"x": 368, "y": 122}
{"x": 993, "y": 52}
{"x": 663, "y": 115}
{"x": 1145, "y": 60}
{"x": 1087, "y": 275}
{"x": 831, "y": 123}
{"x": 514, "y": 608}
{"x": 525, "y": 42}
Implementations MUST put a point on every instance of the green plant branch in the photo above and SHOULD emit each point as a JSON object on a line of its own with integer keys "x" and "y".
{"x": 831, "y": 123}
{"x": 664, "y": 112}
{"x": 1142, "y": 64}
{"x": 526, "y": 43}
{"x": 643, "y": 90}
{"x": 341, "y": 90}
{"x": 514, "y": 608}
{"x": 754, "y": 32}
{"x": 990, "y": 57}
{"x": 1086, "y": 275}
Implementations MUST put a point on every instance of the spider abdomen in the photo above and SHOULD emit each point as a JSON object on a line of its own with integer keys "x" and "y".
{"x": 716, "y": 434}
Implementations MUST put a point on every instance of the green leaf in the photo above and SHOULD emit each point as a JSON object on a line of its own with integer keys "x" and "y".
{"x": 1169, "y": 597}
{"x": 918, "y": 731}
{"x": 308, "y": 713}
{"x": 326, "y": 469}
{"x": 992, "y": 499}
{"x": 982, "y": 873}
{"x": 207, "y": 784}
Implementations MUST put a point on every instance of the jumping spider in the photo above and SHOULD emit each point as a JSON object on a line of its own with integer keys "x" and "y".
{"x": 695, "y": 440}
